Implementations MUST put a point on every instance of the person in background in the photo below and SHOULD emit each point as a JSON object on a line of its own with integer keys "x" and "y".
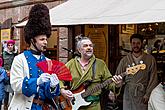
{"x": 3, "y": 79}
{"x": 157, "y": 97}
{"x": 4, "y": 45}
{"x": 89, "y": 71}
{"x": 8, "y": 55}
{"x": 146, "y": 46}
{"x": 162, "y": 47}
{"x": 1, "y": 61}
{"x": 157, "y": 46}
{"x": 137, "y": 87}
{"x": 32, "y": 87}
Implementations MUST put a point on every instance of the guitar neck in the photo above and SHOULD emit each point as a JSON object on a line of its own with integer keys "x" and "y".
{"x": 99, "y": 86}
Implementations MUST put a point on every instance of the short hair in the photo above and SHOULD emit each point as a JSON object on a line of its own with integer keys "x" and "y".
{"x": 138, "y": 36}
{"x": 79, "y": 40}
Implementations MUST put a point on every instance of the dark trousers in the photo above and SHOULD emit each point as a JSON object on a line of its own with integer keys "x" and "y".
{"x": 6, "y": 99}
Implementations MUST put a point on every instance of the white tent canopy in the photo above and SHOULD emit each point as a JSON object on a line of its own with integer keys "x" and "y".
{"x": 75, "y": 12}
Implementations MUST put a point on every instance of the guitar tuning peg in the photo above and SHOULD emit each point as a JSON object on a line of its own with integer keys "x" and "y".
{"x": 141, "y": 62}
{"x": 133, "y": 64}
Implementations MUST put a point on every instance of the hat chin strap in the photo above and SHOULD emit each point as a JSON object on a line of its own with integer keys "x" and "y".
{"x": 36, "y": 47}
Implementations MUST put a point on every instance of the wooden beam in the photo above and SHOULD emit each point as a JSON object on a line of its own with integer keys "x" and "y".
{"x": 16, "y": 3}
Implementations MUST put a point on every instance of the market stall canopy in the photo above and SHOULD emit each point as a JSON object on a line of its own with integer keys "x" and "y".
{"x": 75, "y": 12}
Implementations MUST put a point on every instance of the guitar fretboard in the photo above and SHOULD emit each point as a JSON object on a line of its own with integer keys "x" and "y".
{"x": 99, "y": 86}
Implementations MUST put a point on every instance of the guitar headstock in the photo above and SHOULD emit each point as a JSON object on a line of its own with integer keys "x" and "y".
{"x": 135, "y": 68}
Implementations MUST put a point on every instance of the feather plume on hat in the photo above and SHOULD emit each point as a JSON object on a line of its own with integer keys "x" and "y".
{"x": 38, "y": 23}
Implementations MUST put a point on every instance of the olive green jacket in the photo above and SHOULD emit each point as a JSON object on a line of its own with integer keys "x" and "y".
{"x": 78, "y": 77}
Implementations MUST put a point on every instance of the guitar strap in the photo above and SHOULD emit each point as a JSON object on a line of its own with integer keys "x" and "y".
{"x": 92, "y": 98}
{"x": 88, "y": 82}
{"x": 93, "y": 70}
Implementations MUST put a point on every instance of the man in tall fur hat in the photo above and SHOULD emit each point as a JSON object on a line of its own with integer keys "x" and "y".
{"x": 31, "y": 86}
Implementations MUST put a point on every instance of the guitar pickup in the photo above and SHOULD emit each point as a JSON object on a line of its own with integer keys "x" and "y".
{"x": 73, "y": 101}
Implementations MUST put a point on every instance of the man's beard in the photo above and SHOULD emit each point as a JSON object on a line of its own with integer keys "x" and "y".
{"x": 137, "y": 50}
{"x": 88, "y": 55}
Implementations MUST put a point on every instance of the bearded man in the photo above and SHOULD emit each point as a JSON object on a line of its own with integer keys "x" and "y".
{"x": 138, "y": 87}
{"x": 89, "y": 71}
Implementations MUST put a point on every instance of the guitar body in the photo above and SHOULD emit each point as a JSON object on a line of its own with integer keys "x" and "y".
{"x": 79, "y": 101}
{"x": 64, "y": 103}
{"x": 76, "y": 103}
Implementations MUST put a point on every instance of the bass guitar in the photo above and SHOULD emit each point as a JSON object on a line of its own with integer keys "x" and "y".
{"x": 80, "y": 93}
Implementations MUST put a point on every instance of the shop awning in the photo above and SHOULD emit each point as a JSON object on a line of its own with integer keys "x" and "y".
{"x": 75, "y": 12}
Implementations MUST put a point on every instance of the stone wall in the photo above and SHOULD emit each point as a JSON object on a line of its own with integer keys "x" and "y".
{"x": 63, "y": 42}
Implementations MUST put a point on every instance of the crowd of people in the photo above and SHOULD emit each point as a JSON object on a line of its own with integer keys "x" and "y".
{"x": 31, "y": 88}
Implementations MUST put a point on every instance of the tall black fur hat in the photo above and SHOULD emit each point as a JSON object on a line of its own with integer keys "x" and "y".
{"x": 38, "y": 23}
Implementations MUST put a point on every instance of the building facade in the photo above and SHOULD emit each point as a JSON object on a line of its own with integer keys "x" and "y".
{"x": 13, "y": 12}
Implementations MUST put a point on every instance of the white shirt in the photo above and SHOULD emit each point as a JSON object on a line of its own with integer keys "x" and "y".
{"x": 157, "y": 99}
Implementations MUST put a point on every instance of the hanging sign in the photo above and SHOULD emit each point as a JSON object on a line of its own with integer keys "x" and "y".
{"x": 5, "y": 34}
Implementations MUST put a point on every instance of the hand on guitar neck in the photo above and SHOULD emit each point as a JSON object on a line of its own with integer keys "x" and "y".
{"x": 118, "y": 78}
{"x": 130, "y": 70}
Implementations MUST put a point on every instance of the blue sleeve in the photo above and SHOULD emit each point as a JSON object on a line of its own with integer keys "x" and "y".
{"x": 29, "y": 86}
{"x": 3, "y": 75}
